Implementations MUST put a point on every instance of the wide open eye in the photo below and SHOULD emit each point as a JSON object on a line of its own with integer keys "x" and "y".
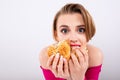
{"x": 81, "y": 30}
{"x": 64, "y": 30}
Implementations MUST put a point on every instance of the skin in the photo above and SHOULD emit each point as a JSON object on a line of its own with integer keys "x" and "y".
{"x": 71, "y": 27}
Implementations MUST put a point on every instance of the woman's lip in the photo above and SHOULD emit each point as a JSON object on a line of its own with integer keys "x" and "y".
{"x": 74, "y": 45}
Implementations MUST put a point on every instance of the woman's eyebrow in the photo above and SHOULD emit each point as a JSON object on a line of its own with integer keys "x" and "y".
{"x": 66, "y": 26}
{"x": 81, "y": 26}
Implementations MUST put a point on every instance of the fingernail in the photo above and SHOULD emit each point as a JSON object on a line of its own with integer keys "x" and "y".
{"x": 87, "y": 51}
{"x": 64, "y": 59}
{"x": 57, "y": 55}
{"x": 61, "y": 57}
{"x": 52, "y": 55}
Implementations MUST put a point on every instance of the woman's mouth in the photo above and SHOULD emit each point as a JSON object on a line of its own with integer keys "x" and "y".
{"x": 75, "y": 45}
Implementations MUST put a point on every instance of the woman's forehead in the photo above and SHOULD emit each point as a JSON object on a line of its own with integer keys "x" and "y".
{"x": 70, "y": 19}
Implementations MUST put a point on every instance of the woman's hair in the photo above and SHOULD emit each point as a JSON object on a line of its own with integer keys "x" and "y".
{"x": 76, "y": 8}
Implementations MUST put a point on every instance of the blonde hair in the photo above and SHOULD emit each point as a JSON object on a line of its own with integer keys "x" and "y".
{"x": 76, "y": 8}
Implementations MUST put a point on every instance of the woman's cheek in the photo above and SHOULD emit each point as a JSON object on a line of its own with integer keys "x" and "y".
{"x": 61, "y": 37}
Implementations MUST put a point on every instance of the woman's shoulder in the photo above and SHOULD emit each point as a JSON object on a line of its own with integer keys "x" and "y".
{"x": 43, "y": 57}
{"x": 95, "y": 56}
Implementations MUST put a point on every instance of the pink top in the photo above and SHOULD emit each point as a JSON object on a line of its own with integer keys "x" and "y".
{"x": 91, "y": 74}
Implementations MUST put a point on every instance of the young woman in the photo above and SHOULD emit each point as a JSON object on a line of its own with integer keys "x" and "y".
{"x": 73, "y": 23}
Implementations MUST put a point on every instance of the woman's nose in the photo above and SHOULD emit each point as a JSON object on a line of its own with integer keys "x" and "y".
{"x": 73, "y": 38}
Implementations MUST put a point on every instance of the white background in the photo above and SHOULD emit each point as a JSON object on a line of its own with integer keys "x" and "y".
{"x": 26, "y": 27}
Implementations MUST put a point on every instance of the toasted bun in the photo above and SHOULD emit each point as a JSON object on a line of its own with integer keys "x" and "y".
{"x": 63, "y": 48}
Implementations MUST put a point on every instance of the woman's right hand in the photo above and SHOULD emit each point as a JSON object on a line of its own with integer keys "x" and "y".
{"x": 59, "y": 66}
{"x": 78, "y": 63}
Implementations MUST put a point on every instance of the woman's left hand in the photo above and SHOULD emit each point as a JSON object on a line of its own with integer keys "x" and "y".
{"x": 78, "y": 64}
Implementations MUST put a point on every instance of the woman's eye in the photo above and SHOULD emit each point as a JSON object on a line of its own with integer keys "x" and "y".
{"x": 64, "y": 30}
{"x": 81, "y": 30}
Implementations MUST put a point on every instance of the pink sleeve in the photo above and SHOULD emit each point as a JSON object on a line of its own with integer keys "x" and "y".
{"x": 48, "y": 75}
{"x": 93, "y": 73}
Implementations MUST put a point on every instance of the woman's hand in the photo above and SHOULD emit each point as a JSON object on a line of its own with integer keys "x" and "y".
{"x": 78, "y": 64}
{"x": 59, "y": 66}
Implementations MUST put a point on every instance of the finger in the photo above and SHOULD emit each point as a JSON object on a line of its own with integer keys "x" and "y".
{"x": 70, "y": 65}
{"x": 60, "y": 66}
{"x": 55, "y": 62}
{"x": 50, "y": 60}
{"x": 80, "y": 56}
{"x": 74, "y": 48}
{"x": 84, "y": 47}
{"x": 74, "y": 59}
{"x": 65, "y": 66}
{"x": 85, "y": 53}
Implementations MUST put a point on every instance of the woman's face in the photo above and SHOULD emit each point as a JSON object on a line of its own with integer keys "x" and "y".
{"x": 71, "y": 27}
